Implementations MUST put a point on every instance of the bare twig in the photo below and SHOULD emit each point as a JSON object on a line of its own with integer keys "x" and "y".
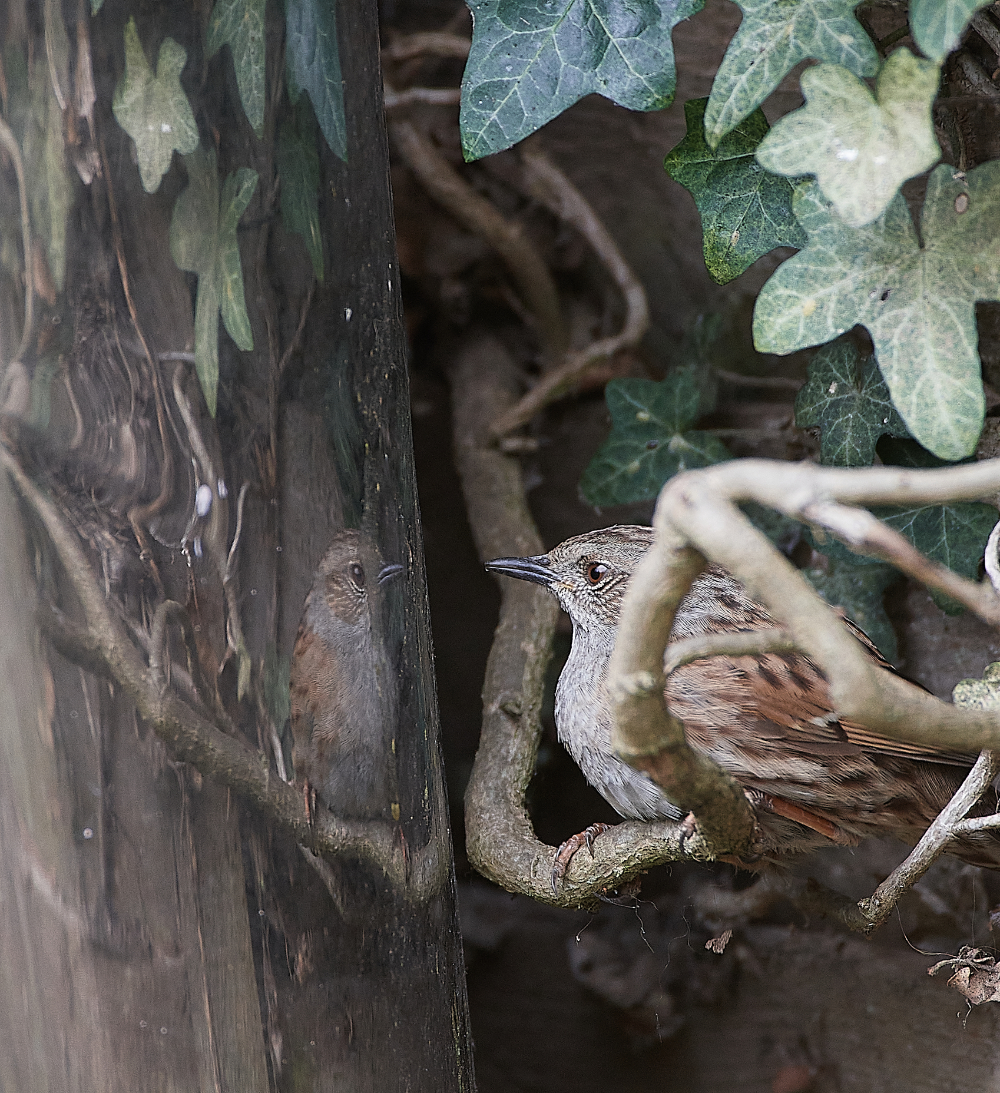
{"x": 428, "y": 96}
{"x": 947, "y": 825}
{"x": 696, "y": 519}
{"x": 11, "y": 147}
{"x": 753, "y": 643}
{"x": 524, "y": 263}
{"x": 550, "y": 186}
{"x": 434, "y": 42}
{"x": 738, "y": 379}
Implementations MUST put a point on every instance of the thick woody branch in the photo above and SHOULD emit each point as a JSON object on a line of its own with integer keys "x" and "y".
{"x": 553, "y": 189}
{"x": 697, "y": 518}
{"x": 501, "y": 842}
{"x": 525, "y": 265}
{"x": 191, "y": 737}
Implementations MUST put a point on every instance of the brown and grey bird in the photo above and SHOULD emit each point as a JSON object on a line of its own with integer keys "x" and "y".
{"x": 343, "y": 689}
{"x": 766, "y": 719}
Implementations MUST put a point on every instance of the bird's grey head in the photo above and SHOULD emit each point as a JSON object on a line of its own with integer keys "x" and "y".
{"x": 588, "y": 573}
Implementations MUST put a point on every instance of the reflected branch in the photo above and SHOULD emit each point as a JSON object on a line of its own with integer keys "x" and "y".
{"x": 190, "y": 735}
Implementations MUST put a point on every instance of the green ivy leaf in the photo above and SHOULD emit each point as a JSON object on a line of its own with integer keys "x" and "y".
{"x": 954, "y": 534}
{"x": 937, "y": 25}
{"x": 298, "y": 168}
{"x": 745, "y": 212}
{"x": 859, "y": 590}
{"x": 240, "y": 25}
{"x": 847, "y": 399}
{"x": 312, "y": 59}
{"x": 918, "y": 302}
{"x": 861, "y": 147}
{"x": 203, "y": 241}
{"x": 773, "y": 37}
{"x": 532, "y": 59}
{"x": 154, "y": 110}
{"x": 651, "y": 439}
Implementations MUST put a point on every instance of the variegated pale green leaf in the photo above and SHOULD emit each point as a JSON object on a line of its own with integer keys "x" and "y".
{"x": 240, "y": 24}
{"x": 861, "y": 147}
{"x": 773, "y": 38}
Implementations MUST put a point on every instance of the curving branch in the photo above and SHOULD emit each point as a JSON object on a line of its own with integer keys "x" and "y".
{"x": 547, "y": 184}
{"x": 474, "y": 212}
{"x": 697, "y": 518}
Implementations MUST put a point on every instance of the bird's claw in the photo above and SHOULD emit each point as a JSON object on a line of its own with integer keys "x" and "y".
{"x": 564, "y": 855}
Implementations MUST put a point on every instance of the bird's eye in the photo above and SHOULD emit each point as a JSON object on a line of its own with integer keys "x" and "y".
{"x": 357, "y": 573}
{"x": 596, "y": 572}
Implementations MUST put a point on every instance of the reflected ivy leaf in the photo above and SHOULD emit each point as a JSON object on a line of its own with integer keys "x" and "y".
{"x": 43, "y": 148}
{"x": 154, "y": 110}
{"x": 312, "y": 59}
{"x": 917, "y": 301}
{"x": 861, "y": 147}
{"x": 745, "y": 212}
{"x": 532, "y": 59}
{"x": 773, "y": 38}
{"x": 240, "y": 25}
{"x": 847, "y": 399}
{"x": 938, "y": 25}
{"x": 651, "y": 439}
{"x": 203, "y": 241}
{"x": 298, "y": 168}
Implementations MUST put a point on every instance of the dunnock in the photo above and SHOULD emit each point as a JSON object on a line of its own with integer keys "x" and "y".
{"x": 767, "y": 719}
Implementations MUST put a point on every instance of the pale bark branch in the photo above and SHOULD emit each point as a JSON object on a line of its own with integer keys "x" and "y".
{"x": 436, "y": 43}
{"x": 501, "y": 842}
{"x": 697, "y": 519}
{"x": 947, "y": 825}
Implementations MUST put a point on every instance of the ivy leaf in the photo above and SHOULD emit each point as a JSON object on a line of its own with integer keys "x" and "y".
{"x": 861, "y": 147}
{"x": 954, "y": 534}
{"x": 240, "y": 25}
{"x": 203, "y": 241}
{"x": 154, "y": 110}
{"x": 773, "y": 37}
{"x": 651, "y": 439}
{"x": 859, "y": 589}
{"x": 918, "y": 302}
{"x": 312, "y": 58}
{"x": 938, "y": 25}
{"x": 745, "y": 212}
{"x": 532, "y": 59}
{"x": 846, "y": 397}
{"x": 298, "y": 168}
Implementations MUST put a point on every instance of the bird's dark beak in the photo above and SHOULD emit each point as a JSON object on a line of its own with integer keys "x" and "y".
{"x": 387, "y": 572}
{"x": 535, "y": 569}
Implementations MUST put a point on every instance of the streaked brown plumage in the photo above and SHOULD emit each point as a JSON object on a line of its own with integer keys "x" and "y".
{"x": 766, "y": 719}
{"x": 343, "y": 694}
